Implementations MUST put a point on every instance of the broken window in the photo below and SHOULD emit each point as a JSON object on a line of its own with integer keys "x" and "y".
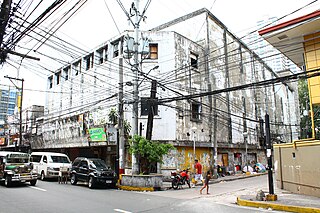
{"x": 195, "y": 111}
{"x": 194, "y": 60}
{"x": 153, "y": 48}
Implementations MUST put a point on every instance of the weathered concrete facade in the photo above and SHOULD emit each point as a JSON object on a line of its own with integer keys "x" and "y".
{"x": 202, "y": 68}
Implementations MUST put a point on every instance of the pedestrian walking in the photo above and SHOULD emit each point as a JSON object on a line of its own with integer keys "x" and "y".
{"x": 206, "y": 182}
{"x": 198, "y": 175}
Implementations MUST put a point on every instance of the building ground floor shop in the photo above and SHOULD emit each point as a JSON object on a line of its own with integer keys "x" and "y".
{"x": 230, "y": 159}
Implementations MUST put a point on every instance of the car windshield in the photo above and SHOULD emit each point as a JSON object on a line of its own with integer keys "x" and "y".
{"x": 60, "y": 159}
{"x": 98, "y": 164}
{"x": 18, "y": 158}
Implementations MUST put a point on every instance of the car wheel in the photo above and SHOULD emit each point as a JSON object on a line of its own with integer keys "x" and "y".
{"x": 91, "y": 182}
{"x": 7, "y": 181}
{"x": 33, "y": 182}
{"x": 42, "y": 176}
{"x": 73, "y": 179}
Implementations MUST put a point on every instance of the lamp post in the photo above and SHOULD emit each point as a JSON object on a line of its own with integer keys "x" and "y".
{"x": 194, "y": 129}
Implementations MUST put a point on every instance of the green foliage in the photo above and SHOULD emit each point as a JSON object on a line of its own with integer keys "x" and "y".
{"x": 113, "y": 116}
{"x": 147, "y": 151}
{"x": 304, "y": 104}
{"x": 127, "y": 128}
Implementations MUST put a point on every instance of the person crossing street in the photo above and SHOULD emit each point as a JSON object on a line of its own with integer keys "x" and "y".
{"x": 198, "y": 174}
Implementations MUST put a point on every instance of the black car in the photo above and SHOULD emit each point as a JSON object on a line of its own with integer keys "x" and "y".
{"x": 94, "y": 171}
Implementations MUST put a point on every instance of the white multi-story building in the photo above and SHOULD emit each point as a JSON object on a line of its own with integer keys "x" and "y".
{"x": 208, "y": 96}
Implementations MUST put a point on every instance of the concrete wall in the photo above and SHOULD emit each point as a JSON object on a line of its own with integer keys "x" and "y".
{"x": 297, "y": 167}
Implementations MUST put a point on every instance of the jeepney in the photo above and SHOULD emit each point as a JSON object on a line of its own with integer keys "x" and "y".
{"x": 15, "y": 167}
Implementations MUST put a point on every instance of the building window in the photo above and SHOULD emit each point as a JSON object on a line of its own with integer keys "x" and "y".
{"x": 115, "y": 46}
{"x": 106, "y": 53}
{"x": 195, "y": 111}
{"x": 5, "y": 93}
{"x": 146, "y": 106}
{"x": 88, "y": 61}
{"x": 50, "y": 80}
{"x": 194, "y": 60}
{"x": 66, "y": 73}
{"x": 153, "y": 48}
{"x": 99, "y": 56}
{"x": 76, "y": 68}
{"x": 58, "y": 75}
{"x": 4, "y": 99}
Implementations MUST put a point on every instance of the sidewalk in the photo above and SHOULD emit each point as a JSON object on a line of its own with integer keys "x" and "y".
{"x": 286, "y": 201}
{"x": 167, "y": 185}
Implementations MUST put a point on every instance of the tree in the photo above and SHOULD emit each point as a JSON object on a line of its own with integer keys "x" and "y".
{"x": 113, "y": 116}
{"x": 304, "y": 104}
{"x": 147, "y": 152}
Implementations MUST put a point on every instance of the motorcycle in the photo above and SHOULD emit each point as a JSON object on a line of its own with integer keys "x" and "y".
{"x": 180, "y": 178}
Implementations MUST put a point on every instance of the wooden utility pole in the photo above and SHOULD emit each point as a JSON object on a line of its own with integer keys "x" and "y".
{"x": 152, "y": 108}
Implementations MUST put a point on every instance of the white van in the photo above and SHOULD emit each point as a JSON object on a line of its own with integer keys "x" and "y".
{"x": 47, "y": 164}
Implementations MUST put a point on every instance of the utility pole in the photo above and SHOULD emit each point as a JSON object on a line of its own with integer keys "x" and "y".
{"x": 20, "y": 107}
{"x": 4, "y": 17}
{"x": 135, "y": 7}
{"x": 134, "y": 11}
{"x": 214, "y": 157}
{"x": 120, "y": 144}
{"x": 152, "y": 108}
{"x": 271, "y": 196}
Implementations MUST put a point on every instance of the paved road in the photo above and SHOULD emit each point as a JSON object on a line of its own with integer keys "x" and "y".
{"x": 49, "y": 196}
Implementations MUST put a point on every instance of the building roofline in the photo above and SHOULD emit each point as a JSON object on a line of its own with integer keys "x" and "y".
{"x": 290, "y": 22}
{"x": 186, "y": 17}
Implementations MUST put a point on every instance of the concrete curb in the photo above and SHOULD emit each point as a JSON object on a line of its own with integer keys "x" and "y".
{"x": 214, "y": 181}
{"x": 275, "y": 206}
{"x": 134, "y": 188}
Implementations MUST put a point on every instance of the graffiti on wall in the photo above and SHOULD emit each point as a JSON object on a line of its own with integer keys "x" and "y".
{"x": 182, "y": 158}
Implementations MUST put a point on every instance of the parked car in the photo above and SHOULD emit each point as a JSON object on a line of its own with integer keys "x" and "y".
{"x": 48, "y": 164}
{"x": 15, "y": 167}
{"x": 94, "y": 171}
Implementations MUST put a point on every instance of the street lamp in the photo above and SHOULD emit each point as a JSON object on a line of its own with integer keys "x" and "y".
{"x": 194, "y": 129}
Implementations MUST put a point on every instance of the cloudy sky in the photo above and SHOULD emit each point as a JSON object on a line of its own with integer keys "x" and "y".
{"x": 99, "y": 20}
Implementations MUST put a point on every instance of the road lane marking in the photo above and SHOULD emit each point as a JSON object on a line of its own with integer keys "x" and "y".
{"x": 37, "y": 188}
{"x": 120, "y": 210}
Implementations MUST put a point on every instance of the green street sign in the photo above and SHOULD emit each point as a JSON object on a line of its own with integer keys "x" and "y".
{"x": 97, "y": 135}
